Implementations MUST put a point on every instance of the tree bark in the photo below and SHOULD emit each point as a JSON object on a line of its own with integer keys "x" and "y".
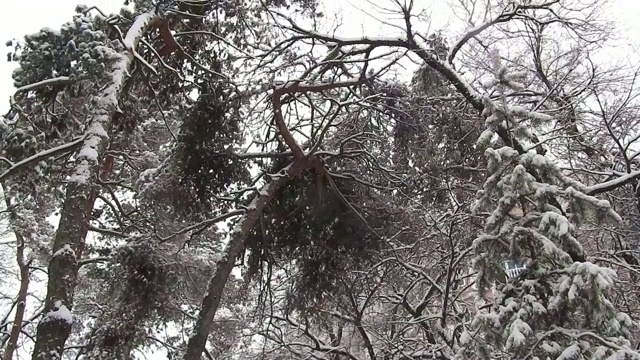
{"x": 55, "y": 327}
{"x": 234, "y": 247}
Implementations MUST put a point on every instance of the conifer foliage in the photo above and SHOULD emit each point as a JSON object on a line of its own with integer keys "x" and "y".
{"x": 559, "y": 307}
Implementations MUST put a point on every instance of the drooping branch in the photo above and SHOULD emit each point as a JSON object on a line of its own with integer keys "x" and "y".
{"x": 445, "y": 69}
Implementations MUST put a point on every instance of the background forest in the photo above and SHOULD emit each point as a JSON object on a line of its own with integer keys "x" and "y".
{"x": 196, "y": 179}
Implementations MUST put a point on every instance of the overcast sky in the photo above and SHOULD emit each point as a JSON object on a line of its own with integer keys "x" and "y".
{"x": 19, "y": 17}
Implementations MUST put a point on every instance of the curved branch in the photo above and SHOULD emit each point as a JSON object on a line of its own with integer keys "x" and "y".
{"x": 15, "y": 167}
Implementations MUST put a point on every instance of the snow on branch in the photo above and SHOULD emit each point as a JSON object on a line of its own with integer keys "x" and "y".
{"x": 61, "y": 80}
{"x": 612, "y": 184}
{"x": 59, "y": 312}
{"x": 106, "y": 103}
{"x": 15, "y": 167}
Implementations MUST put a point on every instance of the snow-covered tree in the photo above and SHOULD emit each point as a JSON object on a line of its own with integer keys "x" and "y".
{"x": 221, "y": 172}
{"x": 559, "y": 306}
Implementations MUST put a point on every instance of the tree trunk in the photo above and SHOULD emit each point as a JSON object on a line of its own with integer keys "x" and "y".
{"x": 234, "y": 247}
{"x": 55, "y": 326}
{"x": 21, "y": 300}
